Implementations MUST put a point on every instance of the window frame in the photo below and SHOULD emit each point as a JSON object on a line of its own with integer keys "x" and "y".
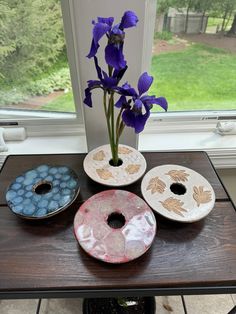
{"x": 46, "y": 122}
{"x": 159, "y": 123}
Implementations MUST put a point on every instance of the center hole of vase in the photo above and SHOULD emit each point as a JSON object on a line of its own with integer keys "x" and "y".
{"x": 120, "y": 162}
{"x": 116, "y": 220}
{"x": 42, "y": 187}
{"x": 178, "y": 188}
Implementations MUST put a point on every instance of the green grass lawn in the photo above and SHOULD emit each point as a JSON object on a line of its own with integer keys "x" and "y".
{"x": 64, "y": 103}
{"x": 198, "y": 78}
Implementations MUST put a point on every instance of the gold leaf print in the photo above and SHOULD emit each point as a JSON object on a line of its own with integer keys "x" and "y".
{"x": 99, "y": 156}
{"x": 104, "y": 174}
{"x": 175, "y": 205}
{"x": 178, "y": 175}
{"x": 131, "y": 169}
{"x": 156, "y": 185}
{"x": 124, "y": 150}
{"x": 201, "y": 196}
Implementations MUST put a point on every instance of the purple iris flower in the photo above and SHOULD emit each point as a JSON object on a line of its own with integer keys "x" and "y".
{"x": 114, "y": 50}
{"x": 105, "y": 82}
{"x": 135, "y": 116}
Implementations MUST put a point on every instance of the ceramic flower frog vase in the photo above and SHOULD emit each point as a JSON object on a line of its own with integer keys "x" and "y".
{"x": 97, "y": 165}
{"x": 115, "y": 164}
{"x": 42, "y": 192}
{"x": 178, "y": 193}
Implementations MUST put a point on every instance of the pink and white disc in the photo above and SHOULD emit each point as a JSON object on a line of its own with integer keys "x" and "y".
{"x": 115, "y": 226}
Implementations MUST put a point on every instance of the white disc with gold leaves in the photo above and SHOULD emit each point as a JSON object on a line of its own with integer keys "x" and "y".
{"x": 97, "y": 165}
{"x": 178, "y": 193}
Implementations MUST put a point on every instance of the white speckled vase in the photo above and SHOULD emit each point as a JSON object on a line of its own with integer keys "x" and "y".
{"x": 98, "y": 168}
{"x": 178, "y": 193}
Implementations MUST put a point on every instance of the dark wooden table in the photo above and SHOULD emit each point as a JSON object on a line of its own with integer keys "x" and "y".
{"x": 43, "y": 259}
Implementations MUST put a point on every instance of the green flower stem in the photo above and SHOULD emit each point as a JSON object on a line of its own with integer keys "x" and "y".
{"x": 118, "y": 126}
{"x": 114, "y": 149}
{"x": 106, "y": 114}
{"x": 109, "y": 113}
{"x": 105, "y": 102}
{"x": 114, "y": 130}
{"x": 114, "y": 157}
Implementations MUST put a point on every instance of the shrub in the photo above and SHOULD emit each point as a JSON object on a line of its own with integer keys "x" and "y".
{"x": 165, "y": 35}
{"x": 58, "y": 80}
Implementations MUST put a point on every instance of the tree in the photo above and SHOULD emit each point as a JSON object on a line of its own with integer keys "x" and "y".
{"x": 203, "y": 6}
{"x": 188, "y": 5}
{"x": 232, "y": 31}
{"x": 7, "y": 44}
{"x": 33, "y": 39}
{"x": 224, "y": 9}
{"x": 163, "y": 6}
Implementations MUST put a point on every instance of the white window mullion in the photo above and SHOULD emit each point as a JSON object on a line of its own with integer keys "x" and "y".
{"x": 72, "y": 54}
{"x": 135, "y": 50}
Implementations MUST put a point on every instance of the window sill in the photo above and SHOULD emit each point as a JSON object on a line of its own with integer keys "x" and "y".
{"x": 221, "y": 149}
{"x": 48, "y": 145}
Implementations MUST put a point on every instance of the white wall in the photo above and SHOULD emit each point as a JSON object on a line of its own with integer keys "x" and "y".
{"x": 228, "y": 176}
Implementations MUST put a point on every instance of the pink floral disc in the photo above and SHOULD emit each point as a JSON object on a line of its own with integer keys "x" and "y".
{"x": 115, "y": 226}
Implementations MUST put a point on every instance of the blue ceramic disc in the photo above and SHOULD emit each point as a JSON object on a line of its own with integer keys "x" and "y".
{"x": 42, "y": 192}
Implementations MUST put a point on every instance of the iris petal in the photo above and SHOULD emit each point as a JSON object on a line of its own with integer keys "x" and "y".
{"x": 121, "y": 101}
{"x": 129, "y": 19}
{"x": 99, "y": 31}
{"x": 133, "y": 120}
{"x": 138, "y": 104}
{"x": 93, "y": 50}
{"x": 140, "y": 122}
{"x": 117, "y": 31}
{"x": 106, "y": 20}
{"x": 108, "y": 82}
{"x": 144, "y": 83}
{"x": 120, "y": 73}
{"x": 161, "y": 101}
{"x": 88, "y": 97}
{"x": 98, "y": 69}
{"x": 127, "y": 90}
{"x": 93, "y": 83}
{"x": 128, "y": 117}
{"x": 114, "y": 56}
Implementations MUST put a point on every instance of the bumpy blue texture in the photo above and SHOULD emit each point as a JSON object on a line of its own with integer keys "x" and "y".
{"x": 23, "y": 200}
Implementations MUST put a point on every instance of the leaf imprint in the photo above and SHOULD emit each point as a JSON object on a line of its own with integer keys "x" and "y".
{"x": 99, "y": 156}
{"x": 131, "y": 169}
{"x": 124, "y": 150}
{"x": 201, "y": 196}
{"x": 178, "y": 175}
{"x": 175, "y": 205}
{"x": 104, "y": 174}
{"x": 156, "y": 185}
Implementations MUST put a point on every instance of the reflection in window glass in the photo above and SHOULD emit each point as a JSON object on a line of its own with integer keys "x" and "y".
{"x": 34, "y": 73}
{"x": 194, "y": 54}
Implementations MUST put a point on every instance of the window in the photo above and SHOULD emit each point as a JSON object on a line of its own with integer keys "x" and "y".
{"x": 194, "y": 56}
{"x": 35, "y": 79}
{"x": 188, "y": 112}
